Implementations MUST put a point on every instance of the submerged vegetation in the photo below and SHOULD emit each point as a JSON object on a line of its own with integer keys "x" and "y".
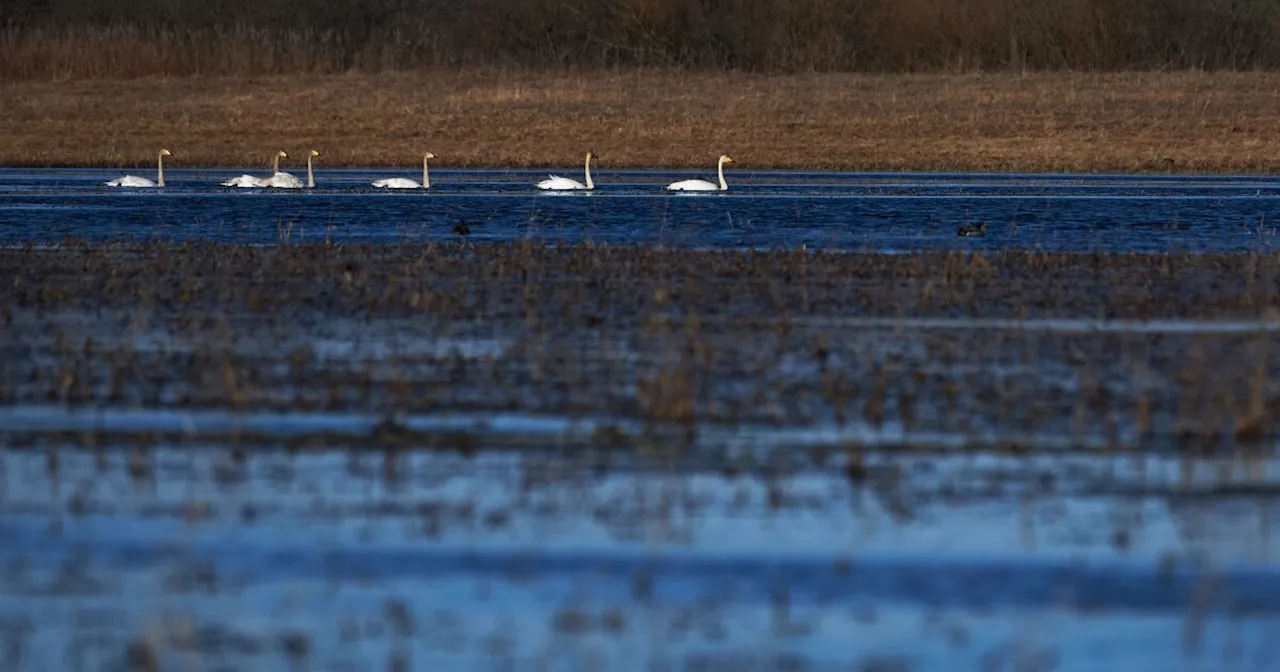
{"x": 45, "y": 39}
{"x": 1006, "y": 348}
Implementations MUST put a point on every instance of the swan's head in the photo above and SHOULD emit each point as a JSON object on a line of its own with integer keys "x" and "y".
{"x": 725, "y": 158}
{"x": 591, "y": 154}
{"x": 282, "y": 155}
{"x": 165, "y": 152}
{"x": 428, "y": 155}
{"x": 315, "y": 153}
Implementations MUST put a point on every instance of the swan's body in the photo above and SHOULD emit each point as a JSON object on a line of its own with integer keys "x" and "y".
{"x": 282, "y": 181}
{"x": 288, "y": 181}
{"x": 406, "y": 183}
{"x": 557, "y": 183}
{"x": 244, "y": 181}
{"x": 694, "y": 185}
{"x": 247, "y": 180}
{"x": 397, "y": 183}
{"x": 135, "y": 181}
{"x": 703, "y": 185}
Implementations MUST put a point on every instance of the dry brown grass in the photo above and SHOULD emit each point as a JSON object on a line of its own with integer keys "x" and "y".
{"x": 1182, "y": 121}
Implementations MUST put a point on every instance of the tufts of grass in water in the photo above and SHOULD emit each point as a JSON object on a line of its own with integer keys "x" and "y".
{"x": 672, "y": 338}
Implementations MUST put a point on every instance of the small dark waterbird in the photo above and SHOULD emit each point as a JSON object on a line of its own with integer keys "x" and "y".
{"x": 461, "y": 229}
{"x": 970, "y": 230}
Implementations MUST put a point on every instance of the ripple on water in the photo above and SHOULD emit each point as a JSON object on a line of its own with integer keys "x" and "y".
{"x": 928, "y": 558}
{"x": 841, "y": 210}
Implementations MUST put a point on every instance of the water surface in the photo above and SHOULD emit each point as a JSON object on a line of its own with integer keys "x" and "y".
{"x": 536, "y": 530}
{"x": 856, "y": 211}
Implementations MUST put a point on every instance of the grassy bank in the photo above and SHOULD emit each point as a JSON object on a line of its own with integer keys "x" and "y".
{"x": 1161, "y": 122}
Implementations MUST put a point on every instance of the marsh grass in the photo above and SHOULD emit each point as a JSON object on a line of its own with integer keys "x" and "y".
{"x": 675, "y": 339}
{"x": 1152, "y": 122}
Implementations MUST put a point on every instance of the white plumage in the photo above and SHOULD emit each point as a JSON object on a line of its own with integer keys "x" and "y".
{"x": 406, "y": 183}
{"x": 282, "y": 181}
{"x": 557, "y": 183}
{"x": 288, "y": 181}
{"x": 244, "y": 181}
{"x": 247, "y": 180}
{"x": 703, "y": 185}
{"x": 135, "y": 181}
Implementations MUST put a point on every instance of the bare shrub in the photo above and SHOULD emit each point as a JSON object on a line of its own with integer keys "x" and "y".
{"x": 51, "y": 39}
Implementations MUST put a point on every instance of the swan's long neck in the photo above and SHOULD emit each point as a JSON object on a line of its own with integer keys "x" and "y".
{"x": 311, "y": 180}
{"x": 160, "y": 171}
{"x": 720, "y": 171}
{"x": 275, "y": 165}
{"x": 587, "y": 170}
{"x": 426, "y": 179}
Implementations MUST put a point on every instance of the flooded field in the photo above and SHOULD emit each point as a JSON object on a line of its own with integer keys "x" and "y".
{"x": 375, "y": 444}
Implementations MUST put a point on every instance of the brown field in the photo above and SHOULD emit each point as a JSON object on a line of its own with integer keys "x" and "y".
{"x": 1187, "y": 121}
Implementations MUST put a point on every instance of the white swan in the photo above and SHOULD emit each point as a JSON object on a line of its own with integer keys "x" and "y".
{"x": 703, "y": 185}
{"x": 134, "y": 181}
{"x": 560, "y": 183}
{"x": 406, "y": 183}
{"x": 247, "y": 180}
{"x": 288, "y": 181}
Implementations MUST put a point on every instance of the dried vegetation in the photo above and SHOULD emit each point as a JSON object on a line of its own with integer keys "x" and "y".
{"x": 679, "y": 340}
{"x": 1163, "y": 122}
{"x": 851, "y": 84}
{"x": 53, "y": 39}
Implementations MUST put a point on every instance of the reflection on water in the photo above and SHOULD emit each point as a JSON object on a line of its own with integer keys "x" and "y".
{"x": 258, "y": 556}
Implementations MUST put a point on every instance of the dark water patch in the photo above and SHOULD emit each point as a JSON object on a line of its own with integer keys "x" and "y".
{"x": 886, "y": 212}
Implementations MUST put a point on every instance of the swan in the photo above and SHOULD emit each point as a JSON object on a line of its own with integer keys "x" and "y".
{"x": 134, "y": 181}
{"x": 559, "y": 183}
{"x": 251, "y": 181}
{"x": 288, "y": 181}
{"x": 405, "y": 183}
{"x": 703, "y": 185}
{"x": 281, "y": 180}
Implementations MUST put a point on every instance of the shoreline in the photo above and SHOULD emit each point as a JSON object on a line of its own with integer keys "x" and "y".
{"x": 566, "y": 170}
{"x": 1137, "y": 123}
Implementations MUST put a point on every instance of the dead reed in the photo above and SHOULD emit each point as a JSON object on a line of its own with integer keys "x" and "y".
{"x": 673, "y": 338}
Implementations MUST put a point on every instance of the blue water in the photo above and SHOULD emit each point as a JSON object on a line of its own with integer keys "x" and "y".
{"x": 693, "y": 563}
{"x": 528, "y": 554}
{"x": 850, "y": 211}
